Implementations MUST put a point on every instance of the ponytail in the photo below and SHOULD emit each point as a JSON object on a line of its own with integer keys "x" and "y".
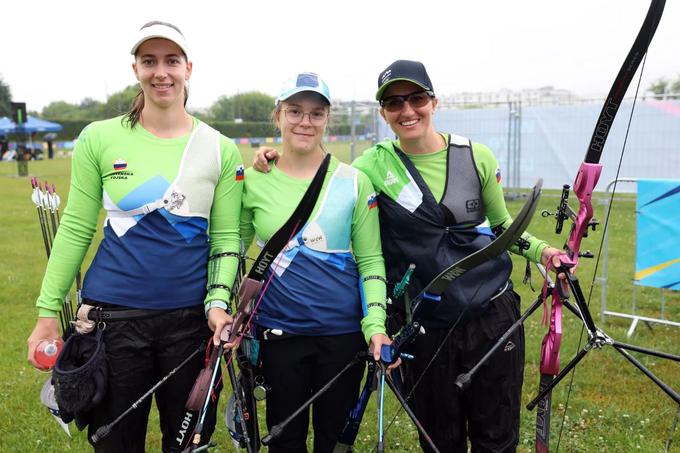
{"x": 135, "y": 113}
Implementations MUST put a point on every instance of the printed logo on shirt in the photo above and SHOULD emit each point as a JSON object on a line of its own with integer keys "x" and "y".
{"x": 372, "y": 201}
{"x": 498, "y": 175}
{"x": 240, "y": 173}
{"x": 473, "y": 205}
{"x": 119, "y": 164}
{"x": 120, "y": 170}
{"x": 390, "y": 179}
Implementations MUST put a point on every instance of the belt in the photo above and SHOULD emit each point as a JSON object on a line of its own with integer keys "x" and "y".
{"x": 121, "y": 314}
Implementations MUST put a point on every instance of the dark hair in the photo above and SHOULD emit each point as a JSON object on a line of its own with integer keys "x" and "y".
{"x": 135, "y": 113}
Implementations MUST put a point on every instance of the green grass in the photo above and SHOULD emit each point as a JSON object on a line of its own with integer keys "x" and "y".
{"x": 612, "y": 406}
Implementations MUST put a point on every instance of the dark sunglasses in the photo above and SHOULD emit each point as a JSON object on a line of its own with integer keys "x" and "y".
{"x": 416, "y": 100}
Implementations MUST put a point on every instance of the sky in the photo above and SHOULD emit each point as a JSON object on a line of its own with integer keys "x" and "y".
{"x": 70, "y": 50}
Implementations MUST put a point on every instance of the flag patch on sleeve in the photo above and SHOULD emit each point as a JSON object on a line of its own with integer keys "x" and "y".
{"x": 498, "y": 175}
{"x": 240, "y": 173}
{"x": 372, "y": 201}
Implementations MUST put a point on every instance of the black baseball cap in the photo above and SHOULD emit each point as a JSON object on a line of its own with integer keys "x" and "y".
{"x": 410, "y": 71}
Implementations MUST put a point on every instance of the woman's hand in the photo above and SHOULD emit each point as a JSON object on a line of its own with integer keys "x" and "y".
{"x": 218, "y": 319}
{"x": 262, "y": 157}
{"x": 45, "y": 329}
{"x": 552, "y": 255}
{"x": 377, "y": 341}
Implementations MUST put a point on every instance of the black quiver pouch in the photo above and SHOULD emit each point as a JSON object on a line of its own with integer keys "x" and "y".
{"x": 80, "y": 377}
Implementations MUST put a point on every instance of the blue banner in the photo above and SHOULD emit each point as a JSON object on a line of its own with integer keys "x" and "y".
{"x": 657, "y": 261}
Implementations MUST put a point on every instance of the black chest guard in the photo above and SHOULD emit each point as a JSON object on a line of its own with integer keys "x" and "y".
{"x": 436, "y": 235}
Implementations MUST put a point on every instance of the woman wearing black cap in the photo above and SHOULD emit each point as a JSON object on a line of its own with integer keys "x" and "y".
{"x": 171, "y": 187}
{"x": 429, "y": 186}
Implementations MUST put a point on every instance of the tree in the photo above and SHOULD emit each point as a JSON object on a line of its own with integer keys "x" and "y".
{"x": 5, "y": 99}
{"x": 675, "y": 89}
{"x": 250, "y": 106}
{"x": 120, "y": 102}
{"x": 666, "y": 89}
{"x": 222, "y": 109}
{"x": 59, "y": 110}
{"x": 90, "y": 109}
{"x": 659, "y": 87}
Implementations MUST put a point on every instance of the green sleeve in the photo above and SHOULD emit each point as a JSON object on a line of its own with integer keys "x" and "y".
{"x": 368, "y": 163}
{"x": 367, "y": 252}
{"x": 494, "y": 201}
{"x": 247, "y": 228}
{"x": 224, "y": 224}
{"x": 77, "y": 227}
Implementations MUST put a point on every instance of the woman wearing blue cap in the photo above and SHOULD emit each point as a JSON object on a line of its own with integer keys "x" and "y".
{"x": 439, "y": 193}
{"x": 171, "y": 190}
{"x": 326, "y": 299}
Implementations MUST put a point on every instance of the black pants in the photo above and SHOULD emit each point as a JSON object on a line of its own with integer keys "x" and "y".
{"x": 295, "y": 368}
{"x": 139, "y": 354}
{"x": 488, "y": 411}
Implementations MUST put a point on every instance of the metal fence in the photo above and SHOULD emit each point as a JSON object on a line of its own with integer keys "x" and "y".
{"x": 533, "y": 140}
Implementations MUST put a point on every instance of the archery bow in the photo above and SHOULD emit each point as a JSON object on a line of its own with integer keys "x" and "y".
{"x": 586, "y": 180}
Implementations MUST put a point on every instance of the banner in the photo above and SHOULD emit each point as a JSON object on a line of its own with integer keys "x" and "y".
{"x": 657, "y": 256}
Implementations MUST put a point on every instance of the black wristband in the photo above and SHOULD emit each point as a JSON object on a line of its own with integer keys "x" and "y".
{"x": 221, "y": 255}
{"x": 218, "y": 286}
{"x": 375, "y": 277}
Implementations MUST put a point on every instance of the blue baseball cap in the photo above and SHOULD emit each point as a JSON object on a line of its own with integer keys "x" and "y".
{"x": 304, "y": 81}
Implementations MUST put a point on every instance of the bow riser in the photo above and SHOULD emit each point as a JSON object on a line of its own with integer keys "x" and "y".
{"x": 586, "y": 180}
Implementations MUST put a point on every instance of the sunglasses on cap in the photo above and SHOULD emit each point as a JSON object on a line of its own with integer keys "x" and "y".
{"x": 415, "y": 100}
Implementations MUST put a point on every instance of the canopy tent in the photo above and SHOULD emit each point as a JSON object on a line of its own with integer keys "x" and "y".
{"x": 33, "y": 124}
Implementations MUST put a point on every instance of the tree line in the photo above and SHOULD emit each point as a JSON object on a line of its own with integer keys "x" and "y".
{"x": 240, "y": 115}
{"x": 250, "y": 106}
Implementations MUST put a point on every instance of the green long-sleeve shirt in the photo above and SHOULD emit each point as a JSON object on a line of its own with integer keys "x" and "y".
{"x": 390, "y": 177}
{"x": 157, "y": 260}
{"x": 268, "y": 201}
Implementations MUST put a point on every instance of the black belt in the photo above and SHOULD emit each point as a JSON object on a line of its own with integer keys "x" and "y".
{"x": 121, "y": 314}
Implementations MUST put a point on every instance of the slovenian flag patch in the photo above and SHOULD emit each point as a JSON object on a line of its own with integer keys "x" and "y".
{"x": 498, "y": 175}
{"x": 372, "y": 201}
{"x": 240, "y": 173}
{"x": 119, "y": 164}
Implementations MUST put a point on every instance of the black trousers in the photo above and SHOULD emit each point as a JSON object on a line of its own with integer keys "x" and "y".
{"x": 488, "y": 411}
{"x": 295, "y": 368}
{"x": 139, "y": 354}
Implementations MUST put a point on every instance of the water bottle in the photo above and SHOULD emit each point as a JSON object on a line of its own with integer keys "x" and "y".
{"x": 47, "y": 352}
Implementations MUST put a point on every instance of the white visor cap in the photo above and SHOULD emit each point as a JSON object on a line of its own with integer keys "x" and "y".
{"x": 160, "y": 30}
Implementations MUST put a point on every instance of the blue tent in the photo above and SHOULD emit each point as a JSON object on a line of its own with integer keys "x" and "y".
{"x": 7, "y": 126}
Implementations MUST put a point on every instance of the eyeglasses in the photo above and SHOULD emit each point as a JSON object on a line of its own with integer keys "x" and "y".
{"x": 295, "y": 115}
{"x": 415, "y": 100}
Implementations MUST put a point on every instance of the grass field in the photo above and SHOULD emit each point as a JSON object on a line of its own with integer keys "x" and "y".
{"x": 612, "y": 406}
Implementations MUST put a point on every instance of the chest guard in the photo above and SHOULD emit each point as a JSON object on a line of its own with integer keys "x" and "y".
{"x": 191, "y": 193}
{"x": 330, "y": 230}
{"x": 435, "y": 235}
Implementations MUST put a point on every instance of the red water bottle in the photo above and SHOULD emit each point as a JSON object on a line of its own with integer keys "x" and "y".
{"x": 47, "y": 352}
